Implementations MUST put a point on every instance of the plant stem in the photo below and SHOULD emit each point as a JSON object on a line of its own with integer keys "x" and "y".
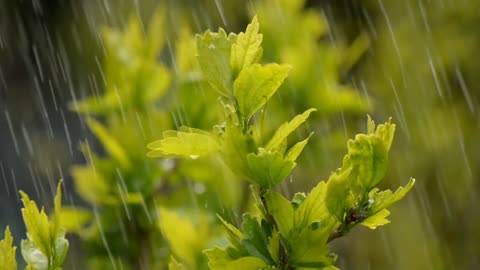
{"x": 352, "y": 219}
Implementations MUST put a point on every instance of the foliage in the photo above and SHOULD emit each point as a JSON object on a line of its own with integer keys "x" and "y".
{"x": 45, "y": 247}
{"x": 141, "y": 213}
{"x": 287, "y": 234}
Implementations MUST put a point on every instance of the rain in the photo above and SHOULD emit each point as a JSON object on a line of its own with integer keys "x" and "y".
{"x": 88, "y": 90}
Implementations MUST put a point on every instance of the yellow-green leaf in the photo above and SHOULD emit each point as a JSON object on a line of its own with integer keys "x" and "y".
{"x": 282, "y": 211}
{"x": 384, "y": 199}
{"x": 247, "y": 49}
{"x": 297, "y": 149}
{"x": 286, "y": 128}
{"x": 213, "y": 51}
{"x": 37, "y": 225}
{"x": 191, "y": 143}
{"x": 57, "y": 210}
{"x": 269, "y": 169}
{"x": 378, "y": 219}
{"x": 247, "y": 263}
{"x": 256, "y": 84}
{"x": 7, "y": 252}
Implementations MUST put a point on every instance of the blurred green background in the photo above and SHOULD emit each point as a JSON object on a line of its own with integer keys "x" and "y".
{"x": 413, "y": 60}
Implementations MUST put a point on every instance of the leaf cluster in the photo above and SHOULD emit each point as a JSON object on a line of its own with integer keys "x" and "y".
{"x": 45, "y": 247}
{"x": 288, "y": 234}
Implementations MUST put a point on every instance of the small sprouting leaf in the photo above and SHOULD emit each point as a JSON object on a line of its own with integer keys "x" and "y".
{"x": 189, "y": 142}
{"x": 213, "y": 51}
{"x": 256, "y": 84}
{"x": 286, "y": 128}
{"x": 298, "y": 199}
{"x": 378, "y": 219}
{"x": 370, "y": 125}
{"x": 269, "y": 169}
{"x": 7, "y": 252}
{"x": 109, "y": 142}
{"x": 247, "y": 49}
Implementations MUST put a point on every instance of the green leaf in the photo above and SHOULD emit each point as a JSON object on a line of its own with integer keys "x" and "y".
{"x": 337, "y": 193}
{"x": 274, "y": 246}
{"x": 385, "y": 133}
{"x": 213, "y": 51}
{"x": 61, "y": 251}
{"x": 189, "y": 142}
{"x": 269, "y": 169}
{"x": 286, "y": 128}
{"x": 378, "y": 219}
{"x": 368, "y": 158}
{"x": 234, "y": 235}
{"x": 256, "y": 84}
{"x": 235, "y": 146}
{"x": 56, "y": 224}
{"x": 220, "y": 260}
{"x": 37, "y": 225}
{"x": 46, "y": 247}
{"x": 256, "y": 240}
{"x": 7, "y": 252}
{"x": 247, "y": 49}
{"x": 297, "y": 149}
{"x": 384, "y": 199}
{"x": 309, "y": 246}
{"x": 109, "y": 142}
{"x": 282, "y": 211}
{"x": 247, "y": 263}
{"x": 313, "y": 209}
